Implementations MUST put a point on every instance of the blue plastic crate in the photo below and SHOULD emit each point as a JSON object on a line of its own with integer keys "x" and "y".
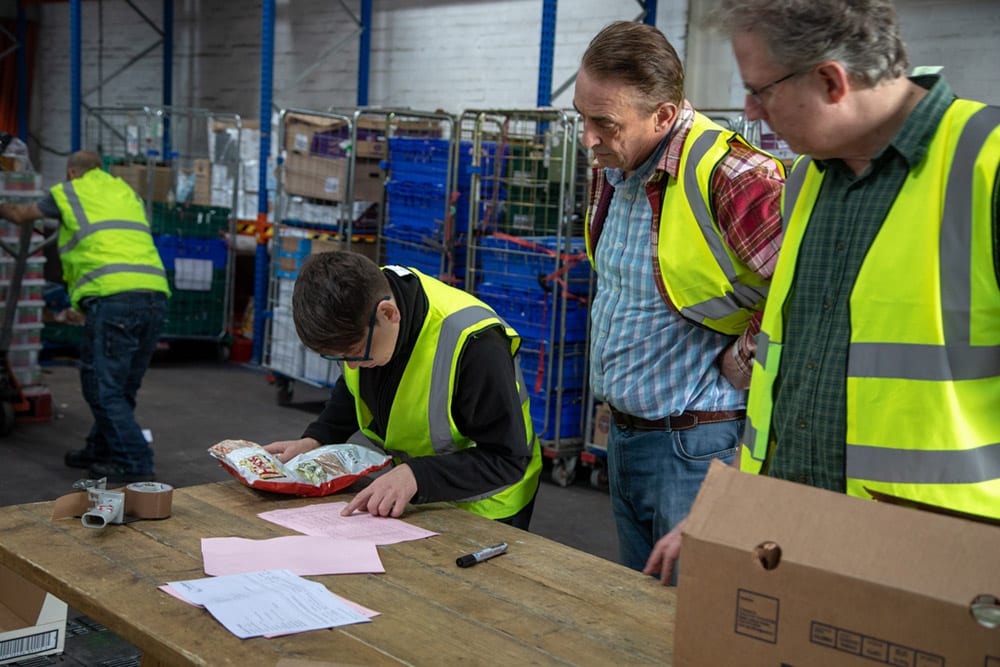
{"x": 420, "y": 160}
{"x": 411, "y": 251}
{"x": 173, "y": 247}
{"x": 541, "y": 365}
{"x": 532, "y": 313}
{"x": 567, "y": 408}
{"x": 426, "y": 160}
{"x": 528, "y": 262}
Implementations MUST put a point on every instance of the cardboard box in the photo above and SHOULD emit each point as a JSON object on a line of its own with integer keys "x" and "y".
{"x": 202, "y": 193}
{"x": 32, "y": 622}
{"x": 326, "y": 178}
{"x": 300, "y": 128}
{"x": 600, "y": 426}
{"x": 777, "y": 573}
{"x": 294, "y": 250}
{"x": 136, "y": 175}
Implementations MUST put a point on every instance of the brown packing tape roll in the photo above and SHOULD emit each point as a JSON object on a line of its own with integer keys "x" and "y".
{"x": 148, "y": 500}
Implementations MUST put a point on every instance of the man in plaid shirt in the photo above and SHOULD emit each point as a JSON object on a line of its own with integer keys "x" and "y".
{"x": 683, "y": 231}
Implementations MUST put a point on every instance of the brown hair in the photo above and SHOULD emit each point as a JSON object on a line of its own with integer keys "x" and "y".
{"x": 640, "y": 56}
{"x": 334, "y": 296}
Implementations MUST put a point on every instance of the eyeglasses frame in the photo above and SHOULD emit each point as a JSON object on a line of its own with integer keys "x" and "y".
{"x": 368, "y": 345}
{"x": 755, "y": 93}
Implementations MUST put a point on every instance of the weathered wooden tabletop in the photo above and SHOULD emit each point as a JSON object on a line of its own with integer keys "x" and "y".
{"x": 540, "y": 603}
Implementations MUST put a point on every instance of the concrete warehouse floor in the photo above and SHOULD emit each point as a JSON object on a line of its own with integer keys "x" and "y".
{"x": 189, "y": 401}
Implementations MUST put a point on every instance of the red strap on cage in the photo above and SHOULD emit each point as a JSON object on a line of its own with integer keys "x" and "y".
{"x": 539, "y": 377}
{"x": 448, "y": 275}
{"x": 567, "y": 262}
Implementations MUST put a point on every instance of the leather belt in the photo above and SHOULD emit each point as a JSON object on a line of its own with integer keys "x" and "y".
{"x": 682, "y": 422}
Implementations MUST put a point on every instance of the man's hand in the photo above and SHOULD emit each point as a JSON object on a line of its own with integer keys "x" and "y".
{"x": 387, "y": 495}
{"x": 289, "y": 449}
{"x": 665, "y": 553}
{"x": 733, "y": 369}
{"x": 20, "y": 214}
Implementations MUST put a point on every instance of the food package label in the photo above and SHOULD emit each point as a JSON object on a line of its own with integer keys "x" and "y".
{"x": 318, "y": 472}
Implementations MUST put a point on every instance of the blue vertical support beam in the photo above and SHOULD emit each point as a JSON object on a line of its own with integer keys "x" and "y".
{"x": 22, "y": 73}
{"x": 364, "y": 52}
{"x": 168, "y": 72}
{"x": 548, "y": 47}
{"x": 260, "y": 259}
{"x": 650, "y": 18}
{"x": 74, "y": 76}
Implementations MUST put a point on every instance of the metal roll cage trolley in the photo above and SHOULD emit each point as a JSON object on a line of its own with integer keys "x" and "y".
{"x": 13, "y": 399}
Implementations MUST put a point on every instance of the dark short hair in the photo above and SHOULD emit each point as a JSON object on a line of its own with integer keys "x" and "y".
{"x": 334, "y": 296}
{"x": 640, "y": 56}
{"x": 83, "y": 161}
{"x": 862, "y": 35}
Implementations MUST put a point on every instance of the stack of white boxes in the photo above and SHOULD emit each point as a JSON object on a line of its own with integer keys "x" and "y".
{"x": 26, "y": 331}
{"x": 286, "y": 351}
{"x": 288, "y": 355}
{"x": 242, "y": 187}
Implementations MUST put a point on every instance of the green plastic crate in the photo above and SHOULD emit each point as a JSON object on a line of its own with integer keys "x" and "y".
{"x": 190, "y": 220}
{"x": 193, "y": 313}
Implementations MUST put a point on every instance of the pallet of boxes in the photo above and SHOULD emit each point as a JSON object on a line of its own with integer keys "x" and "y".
{"x": 318, "y": 154}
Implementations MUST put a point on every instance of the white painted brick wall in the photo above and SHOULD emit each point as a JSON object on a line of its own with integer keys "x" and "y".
{"x": 453, "y": 55}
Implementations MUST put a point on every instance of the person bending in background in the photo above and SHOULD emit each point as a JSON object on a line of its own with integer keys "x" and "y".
{"x": 115, "y": 278}
{"x": 430, "y": 375}
{"x": 882, "y": 330}
{"x": 683, "y": 232}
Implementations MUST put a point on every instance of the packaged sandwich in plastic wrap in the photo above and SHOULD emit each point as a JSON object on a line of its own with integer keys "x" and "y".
{"x": 319, "y": 472}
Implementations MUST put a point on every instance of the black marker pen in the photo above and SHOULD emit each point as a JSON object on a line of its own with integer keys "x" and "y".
{"x": 469, "y": 560}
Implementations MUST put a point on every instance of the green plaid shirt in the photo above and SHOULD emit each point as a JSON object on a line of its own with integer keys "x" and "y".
{"x": 809, "y": 421}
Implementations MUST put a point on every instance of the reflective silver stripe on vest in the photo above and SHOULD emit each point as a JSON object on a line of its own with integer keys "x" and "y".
{"x": 909, "y": 466}
{"x": 908, "y": 361}
{"x": 86, "y": 227}
{"x": 956, "y": 359}
{"x": 763, "y": 341}
{"x": 793, "y": 188}
{"x": 451, "y": 332}
{"x": 743, "y": 296}
{"x": 437, "y": 417}
{"x": 108, "y": 269}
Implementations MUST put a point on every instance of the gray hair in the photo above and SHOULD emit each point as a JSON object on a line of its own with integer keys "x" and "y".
{"x": 862, "y": 35}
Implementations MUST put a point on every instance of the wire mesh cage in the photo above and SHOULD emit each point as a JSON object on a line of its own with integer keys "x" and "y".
{"x": 528, "y": 261}
{"x": 186, "y": 165}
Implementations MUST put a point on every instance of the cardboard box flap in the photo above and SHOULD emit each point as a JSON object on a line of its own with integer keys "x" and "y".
{"x": 947, "y": 558}
{"x": 21, "y": 601}
{"x": 320, "y": 123}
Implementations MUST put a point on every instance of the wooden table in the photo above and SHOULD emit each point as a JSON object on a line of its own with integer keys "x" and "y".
{"x": 540, "y": 603}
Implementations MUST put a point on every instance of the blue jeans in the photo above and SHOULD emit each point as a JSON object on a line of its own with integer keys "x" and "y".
{"x": 119, "y": 339}
{"x": 653, "y": 477}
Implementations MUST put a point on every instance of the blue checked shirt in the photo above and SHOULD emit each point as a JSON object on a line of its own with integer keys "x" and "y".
{"x": 646, "y": 360}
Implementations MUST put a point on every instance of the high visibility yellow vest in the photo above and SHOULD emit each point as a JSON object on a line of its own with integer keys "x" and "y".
{"x": 105, "y": 243}
{"x": 704, "y": 279}
{"x": 923, "y": 375}
{"x": 420, "y": 422}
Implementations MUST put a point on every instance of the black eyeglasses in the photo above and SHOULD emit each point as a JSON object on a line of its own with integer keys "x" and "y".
{"x": 368, "y": 345}
{"x": 756, "y": 92}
